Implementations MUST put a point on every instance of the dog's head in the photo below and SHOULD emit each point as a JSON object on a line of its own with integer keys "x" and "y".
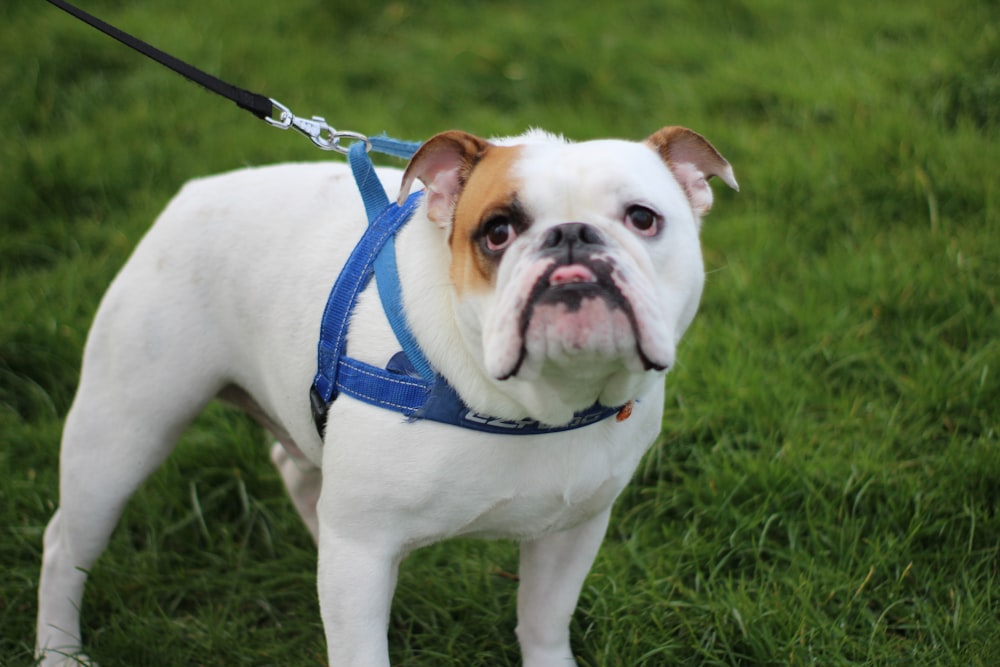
{"x": 576, "y": 267}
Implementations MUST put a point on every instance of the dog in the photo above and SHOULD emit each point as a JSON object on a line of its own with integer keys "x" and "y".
{"x": 539, "y": 277}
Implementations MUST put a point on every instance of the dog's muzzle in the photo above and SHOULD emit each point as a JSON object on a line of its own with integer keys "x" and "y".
{"x": 582, "y": 268}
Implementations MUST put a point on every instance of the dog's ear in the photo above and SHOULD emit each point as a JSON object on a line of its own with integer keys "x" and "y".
{"x": 693, "y": 160}
{"x": 443, "y": 164}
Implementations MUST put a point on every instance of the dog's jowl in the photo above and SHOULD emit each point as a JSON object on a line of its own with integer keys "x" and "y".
{"x": 543, "y": 287}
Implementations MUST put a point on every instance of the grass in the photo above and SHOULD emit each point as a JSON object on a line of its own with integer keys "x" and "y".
{"x": 826, "y": 489}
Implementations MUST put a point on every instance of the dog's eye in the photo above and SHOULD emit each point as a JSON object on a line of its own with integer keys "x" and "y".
{"x": 498, "y": 233}
{"x": 642, "y": 220}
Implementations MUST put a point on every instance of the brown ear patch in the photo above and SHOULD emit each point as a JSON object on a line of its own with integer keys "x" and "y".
{"x": 490, "y": 186}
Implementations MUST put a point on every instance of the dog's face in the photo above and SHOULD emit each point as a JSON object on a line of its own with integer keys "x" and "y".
{"x": 576, "y": 267}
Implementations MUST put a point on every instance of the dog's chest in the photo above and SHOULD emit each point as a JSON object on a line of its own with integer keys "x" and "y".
{"x": 545, "y": 506}
{"x": 443, "y": 482}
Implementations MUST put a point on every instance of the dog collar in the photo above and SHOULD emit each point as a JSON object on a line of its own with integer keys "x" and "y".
{"x": 408, "y": 384}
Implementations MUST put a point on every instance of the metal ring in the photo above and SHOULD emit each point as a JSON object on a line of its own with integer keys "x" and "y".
{"x": 350, "y": 136}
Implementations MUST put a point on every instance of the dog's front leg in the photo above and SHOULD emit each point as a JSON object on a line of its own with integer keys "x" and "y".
{"x": 356, "y": 583}
{"x": 552, "y": 572}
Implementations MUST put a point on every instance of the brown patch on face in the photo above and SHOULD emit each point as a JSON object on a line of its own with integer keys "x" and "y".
{"x": 491, "y": 187}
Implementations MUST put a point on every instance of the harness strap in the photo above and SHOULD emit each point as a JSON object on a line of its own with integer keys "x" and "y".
{"x": 370, "y": 188}
{"x": 391, "y": 294}
{"x": 394, "y": 147}
{"x": 386, "y": 276}
{"x": 335, "y": 371}
{"x": 353, "y": 278}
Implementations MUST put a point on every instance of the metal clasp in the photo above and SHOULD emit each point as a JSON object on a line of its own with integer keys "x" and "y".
{"x": 317, "y": 130}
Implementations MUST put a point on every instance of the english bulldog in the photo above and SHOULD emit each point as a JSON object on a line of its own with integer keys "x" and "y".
{"x": 539, "y": 277}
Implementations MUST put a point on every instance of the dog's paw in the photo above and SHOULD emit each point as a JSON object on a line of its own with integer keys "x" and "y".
{"x": 60, "y": 659}
{"x": 548, "y": 658}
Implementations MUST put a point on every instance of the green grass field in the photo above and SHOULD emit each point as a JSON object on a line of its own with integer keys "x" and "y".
{"x": 826, "y": 490}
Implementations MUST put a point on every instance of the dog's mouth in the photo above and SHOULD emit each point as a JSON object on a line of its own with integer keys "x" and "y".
{"x": 571, "y": 283}
{"x": 582, "y": 303}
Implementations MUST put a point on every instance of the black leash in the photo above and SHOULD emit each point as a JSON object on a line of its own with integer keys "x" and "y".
{"x": 263, "y": 107}
{"x": 258, "y": 105}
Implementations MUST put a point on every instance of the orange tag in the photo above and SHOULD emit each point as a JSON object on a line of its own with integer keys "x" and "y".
{"x": 625, "y": 412}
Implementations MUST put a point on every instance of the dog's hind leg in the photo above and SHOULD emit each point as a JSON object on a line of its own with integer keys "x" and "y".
{"x": 303, "y": 481}
{"x": 142, "y": 382}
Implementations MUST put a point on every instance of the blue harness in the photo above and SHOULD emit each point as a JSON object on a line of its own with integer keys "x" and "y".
{"x": 408, "y": 384}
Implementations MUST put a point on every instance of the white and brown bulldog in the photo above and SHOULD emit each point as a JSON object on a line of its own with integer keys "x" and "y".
{"x": 539, "y": 277}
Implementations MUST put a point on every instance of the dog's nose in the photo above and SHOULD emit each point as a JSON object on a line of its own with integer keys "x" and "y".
{"x": 570, "y": 234}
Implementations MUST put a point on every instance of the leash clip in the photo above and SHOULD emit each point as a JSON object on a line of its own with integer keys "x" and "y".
{"x": 317, "y": 130}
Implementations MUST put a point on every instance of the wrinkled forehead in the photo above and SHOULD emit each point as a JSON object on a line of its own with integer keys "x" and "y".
{"x": 558, "y": 180}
